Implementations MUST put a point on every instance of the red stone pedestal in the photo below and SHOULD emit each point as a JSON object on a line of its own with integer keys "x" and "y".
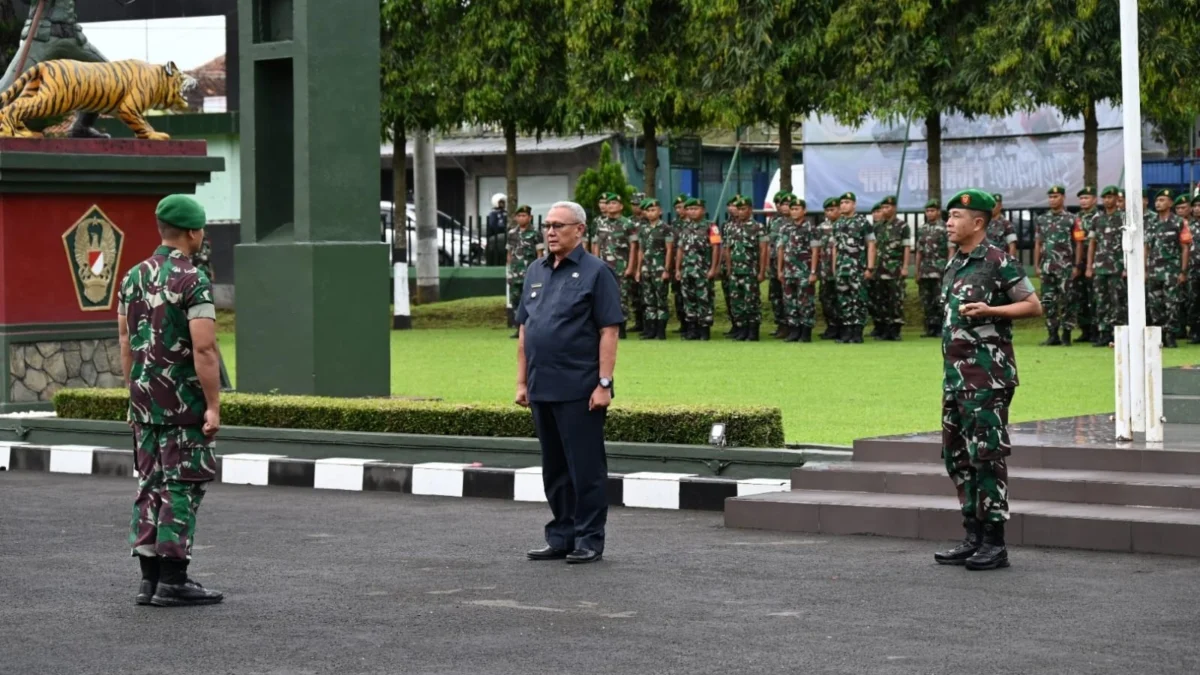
{"x": 75, "y": 215}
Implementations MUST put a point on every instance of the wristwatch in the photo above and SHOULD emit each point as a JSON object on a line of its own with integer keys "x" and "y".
{"x": 606, "y": 383}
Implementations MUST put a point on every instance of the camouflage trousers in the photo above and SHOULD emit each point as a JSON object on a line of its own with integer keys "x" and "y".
{"x": 828, "y": 296}
{"x": 677, "y": 290}
{"x": 930, "y": 291}
{"x": 1194, "y": 297}
{"x": 725, "y": 286}
{"x": 1057, "y": 299}
{"x": 887, "y": 300}
{"x": 1084, "y": 304}
{"x": 173, "y": 464}
{"x": 775, "y": 296}
{"x": 1162, "y": 303}
{"x": 1112, "y": 306}
{"x": 851, "y": 301}
{"x": 697, "y": 298}
{"x": 974, "y": 447}
{"x": 516, "y": 286}
{"x": 745, "y": 299}
{"x": 799, "y": 301}
{"x": 654, "y": 296}
{"x": 628, "y": 297}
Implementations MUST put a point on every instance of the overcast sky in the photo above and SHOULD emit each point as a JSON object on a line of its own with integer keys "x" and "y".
{"x": 188, "y": 42}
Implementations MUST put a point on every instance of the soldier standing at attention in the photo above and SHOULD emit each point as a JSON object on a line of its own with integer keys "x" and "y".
{"x": 1000, "y": 231}
{"x": 894, "y": 246}
{"x": 1194, "y": 277}
{"x": 167, "y": 329}
{"x": 828, "y": 292}
{"x": 1167, "y": 241}
{"x": 1106, "y": 267}
{"x": 1183, "y": 209}
{"x": 699, "y": 254}
{"x": 639, "y": 219}
{"x": 593, "y": 233}
{"x": 933, "y": 253}
{"x": 524, "y": 247}
{"x": 616, "y": 245}
{"x": 1084, "y": 300}
{"x": 745, "y": 245}
{"x": 731, "y": 215}
{"x": 1053, "y": 253}
{"x": 796, "y": 266}
{"x": 873, "y": 284}
{"x": 853, "y": 262}
{"x": 676, "y": 227}
{"x": 782, "y": 201}
{"x": 985, "y": 290}
{"x": 656, "y": 244}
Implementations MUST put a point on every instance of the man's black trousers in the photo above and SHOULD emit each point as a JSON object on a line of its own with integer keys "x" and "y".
{"x": 574, "y": 472}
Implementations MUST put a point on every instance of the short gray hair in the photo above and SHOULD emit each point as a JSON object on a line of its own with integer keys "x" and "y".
{"x": 576, "y": 210}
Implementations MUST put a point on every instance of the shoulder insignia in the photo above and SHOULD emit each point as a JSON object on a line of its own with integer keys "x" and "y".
{"x": 93, "y": 246}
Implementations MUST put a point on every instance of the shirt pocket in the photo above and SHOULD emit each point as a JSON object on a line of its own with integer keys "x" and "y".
{"x": 571, "y": 300}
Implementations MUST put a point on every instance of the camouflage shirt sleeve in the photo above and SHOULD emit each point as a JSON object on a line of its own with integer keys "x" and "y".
{"x": 198, "y": 299}
{"x": 1013, "y": 281}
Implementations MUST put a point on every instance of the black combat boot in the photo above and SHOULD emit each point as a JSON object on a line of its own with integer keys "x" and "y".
{"x": 831, "y": 332}
{"x": 753, "y": 332}
{"x": 1195, "y": 339}
{"x": 892, "y": 332}
{"x": 781, "y": 331}
{"x": 1169, "y": 339}
{"x": 150, "y": 576}
{"x": 175, "y": 589}
{"x": 1066, "y": 338}
{"x": 692, "y": 332}
{"x": 959, "y": 554}
{"x": 649, "y": 330}
{"x": 793, "y": 334}
{"x": 991, "y": 554}
{"x": 705, "y": 333}
{"x": 856, "y": 335}
{"x": 1051, "y": 341}
{"x": 741, "y": 333}
{"x": 843, "y": 335}
{"x": 662, "y": 330}
{"x": 806, "y": 333}
{"x": 876, "y": 332}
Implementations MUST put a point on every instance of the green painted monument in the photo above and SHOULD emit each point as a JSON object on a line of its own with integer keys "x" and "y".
{"x": 312, "y": 273}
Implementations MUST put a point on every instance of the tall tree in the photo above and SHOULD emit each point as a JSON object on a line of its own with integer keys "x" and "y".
{"x": 510, "y": 69}
{"x": 634, "y": 58}
{"x": 905, "y": 61}
{"x": 11, "y": 24}
{"x": 770, "y": 62}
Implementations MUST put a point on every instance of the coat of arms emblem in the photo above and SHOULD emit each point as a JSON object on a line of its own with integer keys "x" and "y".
{"x": 93, "y": 245}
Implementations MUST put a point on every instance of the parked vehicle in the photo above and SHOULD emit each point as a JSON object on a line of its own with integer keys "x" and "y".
{"x": 456, "y": 246}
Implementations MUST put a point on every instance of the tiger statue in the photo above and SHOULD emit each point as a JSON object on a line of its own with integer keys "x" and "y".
{"x": 126, "y": 89}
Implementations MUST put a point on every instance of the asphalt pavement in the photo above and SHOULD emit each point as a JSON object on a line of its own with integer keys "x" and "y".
{"x": 327, "y": 582}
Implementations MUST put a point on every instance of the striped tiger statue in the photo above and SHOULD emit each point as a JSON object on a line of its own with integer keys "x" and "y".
{"x": 126, "y": 89}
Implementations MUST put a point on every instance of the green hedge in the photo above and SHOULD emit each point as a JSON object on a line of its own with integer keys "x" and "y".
{"x": 756, "y": 427}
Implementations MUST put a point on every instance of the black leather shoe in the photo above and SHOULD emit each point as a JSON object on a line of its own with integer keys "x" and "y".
{"x": 184, "y": 595}
{"x": 650, "y": 331}
{"x": 806, "y": 334}
{"x": 991, "y": 554}
{"x": 1051, "y": 341}
{"x": 794, "y": 335}
{"x": 582, "y": 555}
{"x": 1066, "y": 338}
{"x": 548, "y": 553}
{"x": 959, "y": 554}
{"x": 146, "y": 591}
{"x": 831, "y": 333}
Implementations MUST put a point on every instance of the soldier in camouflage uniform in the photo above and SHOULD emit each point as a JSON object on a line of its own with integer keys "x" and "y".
{"x": 1183, "y": 209}
{"x": 1000, "y": 230}
{"x": 853, "y": 262}
{"x": 639, "y": 219}
{"x": 1167, "y": 241}
{"x": 1053, "y": 256}
{"x": 524, "y": 246}
{"x": 1106, "y": 267}
{"x": 796, "y": 266}
{"x": 202, "y": 260}
{"x": 984, "y": 290}
{"x": 872, "y": 285}
{"x": 167, "y": 328}
{"x": 746, "y": 243}
{"x": 828, "y": 292}
{"x": 616, "y": 242}
{"x": 893, "y": 244}
{"x": 933, "y": 253}
{"x": 1194, "y": 277}
{"x": 782, "y": 201}
{"x": 593, "y": 232}
{"x": 1082, "y": 286}
{"x": 698, "y": 246}
{"x": 731, "y": 214}
{"x": 676, "y": 289}
{"x": 656, "y": 244}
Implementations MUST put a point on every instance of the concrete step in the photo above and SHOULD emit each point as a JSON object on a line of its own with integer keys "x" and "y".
{"x": 1084, "y": 456}
{"x": 1181, "y": 408}
{"x": 1135, "y": 529}
{"x": 1050, "y": 485}
{"x": 1182, "y": 380}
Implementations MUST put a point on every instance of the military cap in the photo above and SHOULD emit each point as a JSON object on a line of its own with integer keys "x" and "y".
{"x": 181, "y": 211}
{"x": 832, "y": 201}
{"x": 524, "y": 208}
{"x": 1165, "y": 192}
{"x": 638, "y": 195}
{"x": 876, "y": 206}
{"x": 1087, "y": 190}
{"x": 648, "y": 203}
{"x": 1181, "y": 199}
{"x": 1056, "y": 190}
{"x": 1110, "y": 190}
{"x": 933, "y": 204}
{"x": 681, "y": 198}
{"x": 731, "y": 200}
{"x": 976, "y": 200}
{"x": 998, "y": 197}
{"x": 694, "y": 201}
{"x": 1121, "y": 193}
{"x": 799, "y": 201}
{"x": 779, "y": 195}
{"x": 848, "y": 195}
{"x": 1196, "y": 200}
{"x": 740, "y": 201}
{"x": 613, "y": 197}
{"x": 889, "y": 200}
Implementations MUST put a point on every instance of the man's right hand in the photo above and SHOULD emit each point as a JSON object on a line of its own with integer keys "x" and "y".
{"x": 522, "y": 395}
{"x": 212, "y": 422}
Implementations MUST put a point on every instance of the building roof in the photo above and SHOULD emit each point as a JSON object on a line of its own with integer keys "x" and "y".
{"x": 487, "y": 145}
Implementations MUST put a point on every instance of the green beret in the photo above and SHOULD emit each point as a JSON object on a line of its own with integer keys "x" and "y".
{"x": 933, "y": 204}
{"x": 1196, "y": 200}
{"x": 877, "y": 206}
{"x": 694, "y": 201}
{"x": 1087, "y": 190}
{"x": 1057, "y": 190}
{"x": 649, "y": 203}
{"x": 613, "y": 197}
{"x": 524, "y": 208}
{"x": 832, "y": 201}
{"x": 1120, "y": 193}
{"x": 998, "y": 197}
{"x": 976, "y": 200}
{"x": 731, "y": 200}
{"x": 848, "y": 195}
{"x": 785, "y": 198}
{"x": 889, "y": 200}
{"x": 797, "y": 201}
{"x": 181, "y": 211}
{"x": 1181, "y": 199}
{"x": 779, "y": 195}
{"x": 740, "y": 201}
{"x": 1165, "y": 192}
{"x": 1110, "y": 190}
{"x": 681, "y": 198}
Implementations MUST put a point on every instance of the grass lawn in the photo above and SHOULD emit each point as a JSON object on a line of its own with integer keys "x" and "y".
{"x": 829, "y": 393}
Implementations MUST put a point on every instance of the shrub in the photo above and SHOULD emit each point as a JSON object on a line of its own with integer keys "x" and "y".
{"x": 760, "y": 427}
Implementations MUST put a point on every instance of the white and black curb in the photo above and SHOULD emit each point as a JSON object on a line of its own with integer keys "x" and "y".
{"x": 647, "y": 489}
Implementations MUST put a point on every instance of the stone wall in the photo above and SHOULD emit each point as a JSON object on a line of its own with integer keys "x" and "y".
{"x": 38, "y": 369}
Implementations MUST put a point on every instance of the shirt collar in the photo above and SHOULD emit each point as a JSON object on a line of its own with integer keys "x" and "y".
{"x": 168, "y": 251}
{"x": 574, "y": 256}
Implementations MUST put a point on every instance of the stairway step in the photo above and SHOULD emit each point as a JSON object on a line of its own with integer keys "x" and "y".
{"x": 1049, "y": 485}
{"x": 1183, "y": 380}
{"x": 1181, "y": 408}
{"x": 1135, "y": 529}
{"x": 1028, "y": 454}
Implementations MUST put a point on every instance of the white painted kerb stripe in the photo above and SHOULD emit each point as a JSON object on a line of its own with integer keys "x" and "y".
{"x": 72, "y": 458}
{"x": 754, "y": 486}
{"x": 652, "y": 490}
{"x": 246, "y": 468}
{"x": 527, "y": 485}
{"x": 438, "y": 478}
{"x": 6, "y": 454}
{"x": 339, "y": 473}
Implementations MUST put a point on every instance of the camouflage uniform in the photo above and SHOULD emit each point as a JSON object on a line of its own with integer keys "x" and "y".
{"x": 980, "y": 376}
{"x": 850, "y": 238}
{"x": 891, "y": 238}
{"x": 828, "y": 292}
{"x": 654, "y": 239}
{"x": 1058, "y": 260}
{"x": 934, "y": 245}
{"x": 743, "y": 240}
{"x": 202, "y": 259}
{"x": 1084, "y": 299}
{"x": 775, "y": 287}
{"x": 1193, "y": 317}
{"x": 1108, "y": 267}
{"x": 1163, "y": 266}
{"x": 615, "y": 235}
{"x": 797, "y": 239}
{"x": 694, "y": 245}
{"x": 1000, "y": 233}
{"x": 173, "y": 457}
{"x": 524, "y": 246}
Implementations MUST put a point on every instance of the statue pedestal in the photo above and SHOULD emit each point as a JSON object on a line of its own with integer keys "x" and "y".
{"x": 75, "y": 215}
